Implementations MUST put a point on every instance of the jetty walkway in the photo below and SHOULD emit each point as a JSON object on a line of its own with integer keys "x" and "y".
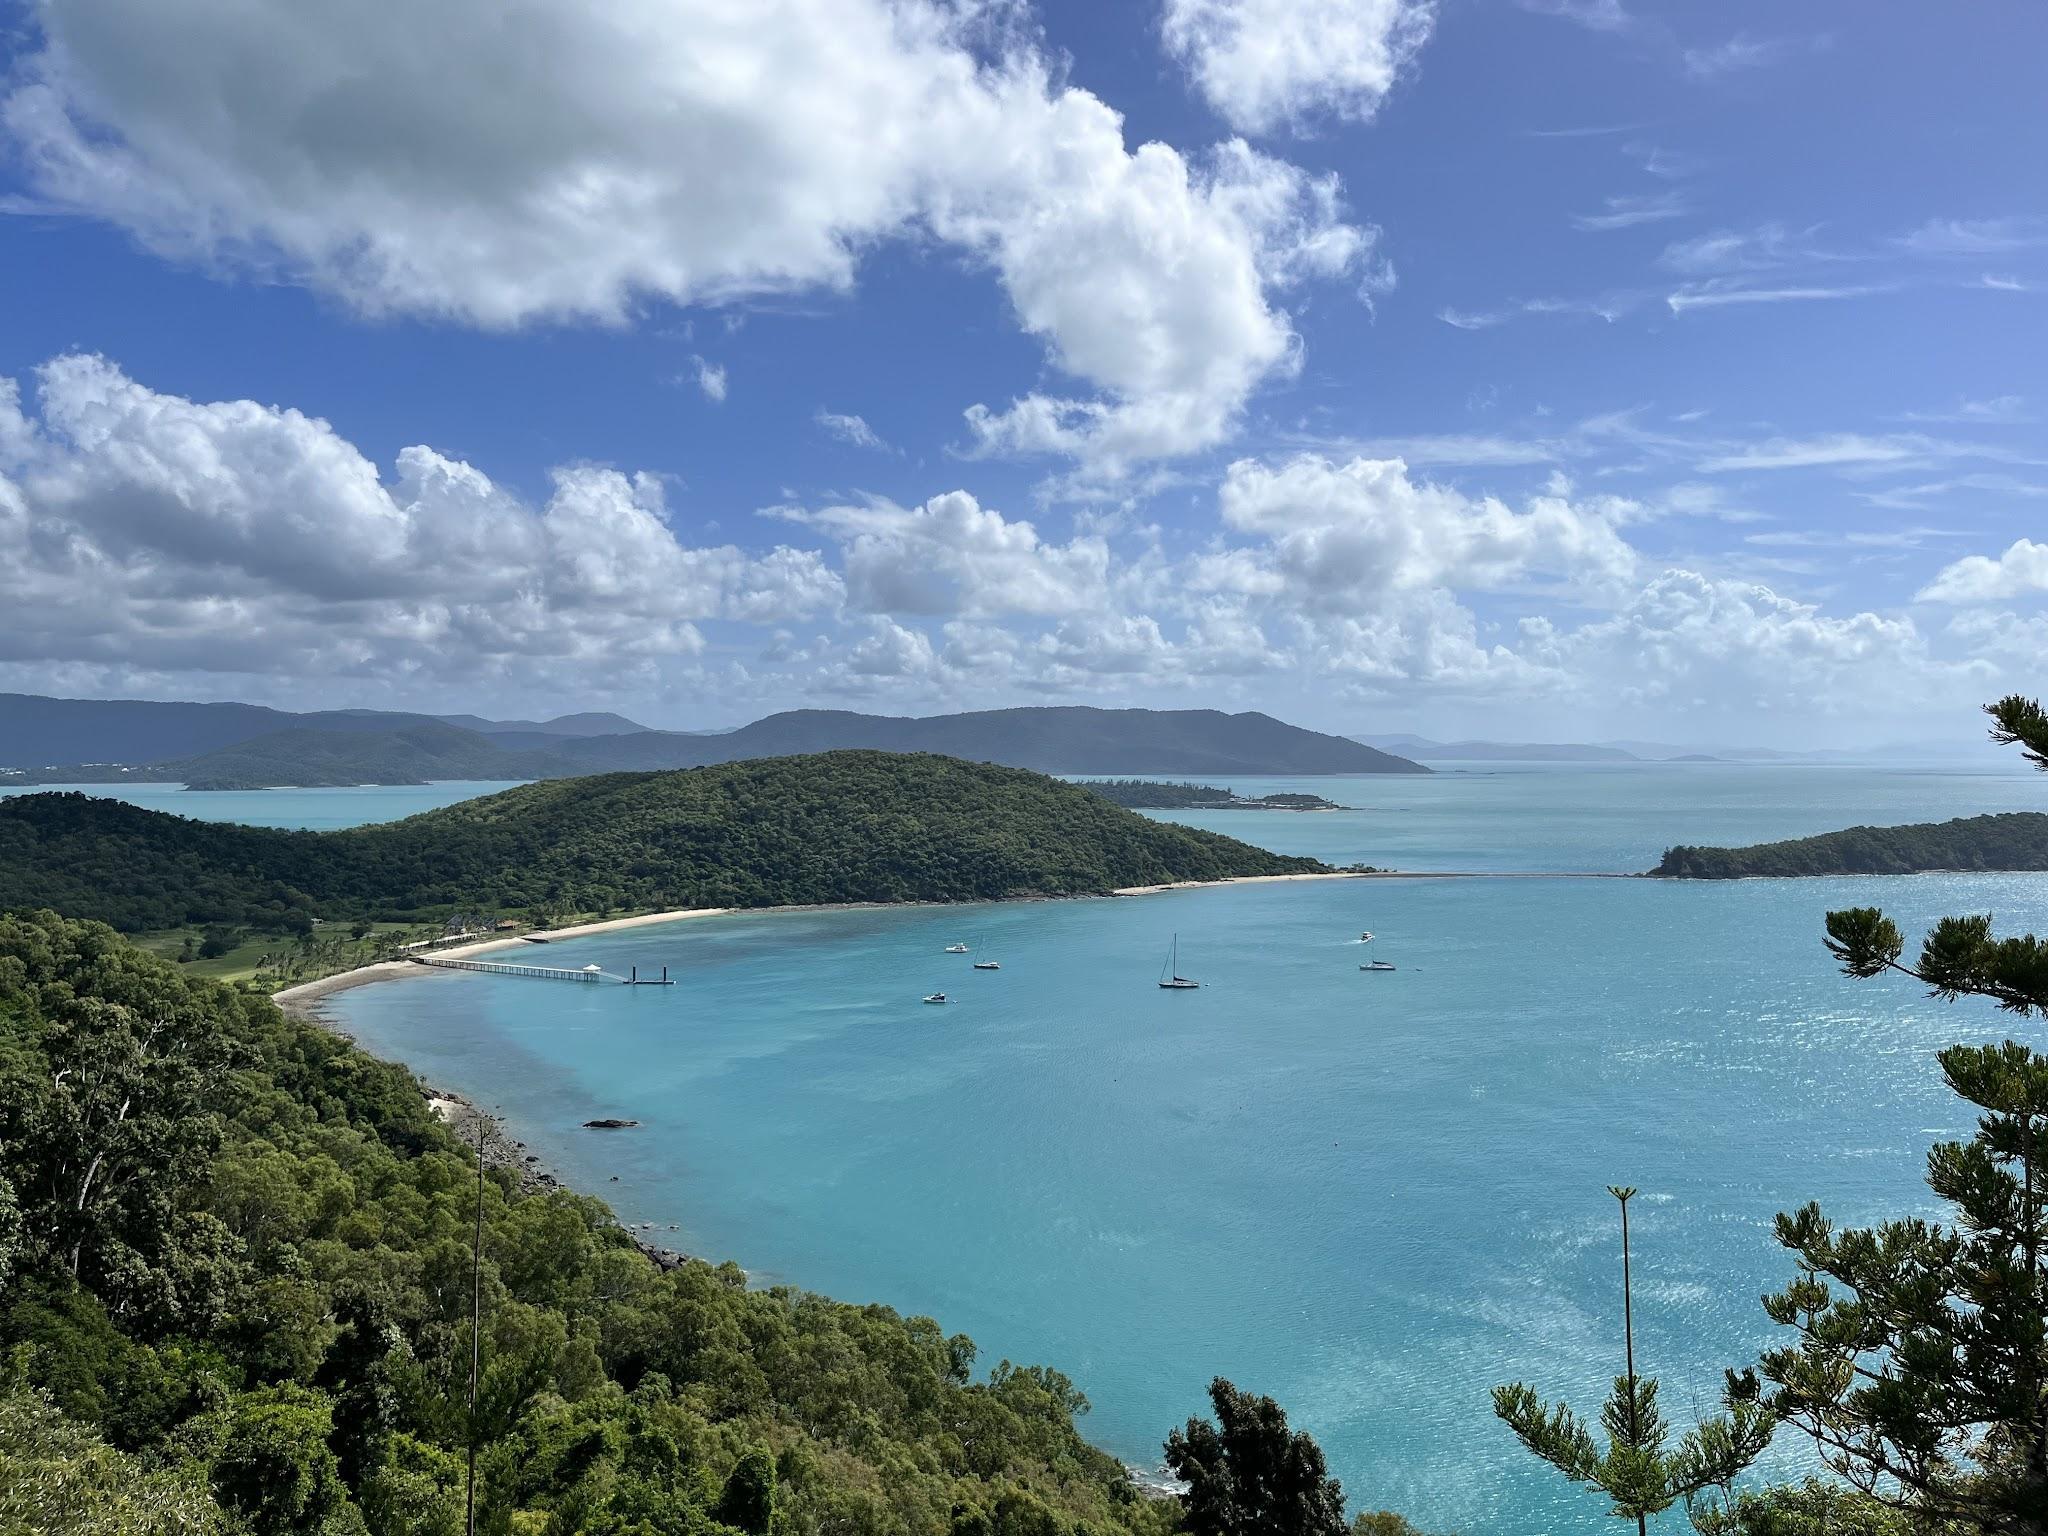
{"x": 499, "y": 968}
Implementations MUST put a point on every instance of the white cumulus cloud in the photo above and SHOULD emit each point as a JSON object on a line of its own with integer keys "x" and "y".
{"x": 1269, "y": 64}
{"x": 438, "y": 157}
{"x": 2021, "y": 571}
{"x": 230, "y": 536}
{"x": 954, "y": 557}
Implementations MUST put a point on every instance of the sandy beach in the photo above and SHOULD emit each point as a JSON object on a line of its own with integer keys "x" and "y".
{"x": 297, "y": 998}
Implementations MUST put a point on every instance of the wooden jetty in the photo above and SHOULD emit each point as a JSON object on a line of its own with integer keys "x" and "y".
{"x": 499, "y": 968}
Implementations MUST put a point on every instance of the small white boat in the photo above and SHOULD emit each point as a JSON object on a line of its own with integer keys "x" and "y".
{"x": 1366, "y": 937}
{"x": 1170, "y": 977}
{"x": 956, "y": 949}
{"x": 936, "y": 997}
{"x": 986, "y": 965}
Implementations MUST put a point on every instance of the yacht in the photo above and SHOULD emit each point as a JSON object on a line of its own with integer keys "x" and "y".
{"x": 936, "y": 997}
{"x": 1170, "y": 977}
{"x": 956, "y": 949}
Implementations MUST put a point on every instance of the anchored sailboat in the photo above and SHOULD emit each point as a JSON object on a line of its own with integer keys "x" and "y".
{"x": 1373, "y": 965}
{"x": 1170, "y": 977}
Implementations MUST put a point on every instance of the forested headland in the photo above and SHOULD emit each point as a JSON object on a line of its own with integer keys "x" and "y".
{"x": 1155, "y": 795}
{"x": 2017, "y": 840}
{"x": 835, "y": 827}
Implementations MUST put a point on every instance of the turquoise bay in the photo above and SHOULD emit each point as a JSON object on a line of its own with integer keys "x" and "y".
{"x": 1372, "y": 1196}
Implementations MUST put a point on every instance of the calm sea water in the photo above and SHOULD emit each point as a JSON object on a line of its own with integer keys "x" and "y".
{"x": 1372, "y": 1196}
{"x": 320, "y": 810}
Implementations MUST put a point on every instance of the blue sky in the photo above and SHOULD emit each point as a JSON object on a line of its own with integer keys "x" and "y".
{"x": 1558, "y": 369}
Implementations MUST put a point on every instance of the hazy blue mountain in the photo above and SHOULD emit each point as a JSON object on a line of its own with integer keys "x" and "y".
{"x": 366, "y": 747}
{"x": 1068, "y": 739}
{"x": 589, "y": 723}
{"x": 1497, "y": 751}
{"x": 38, "y": 732}
{"x": 35, "y": 731}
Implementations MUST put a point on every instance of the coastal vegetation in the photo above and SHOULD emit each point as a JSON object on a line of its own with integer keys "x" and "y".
{"x": 836, "y": 827}
{"x": 241, "y": 1266}
{"x": 1154, "y": 795}
{"x": 2017, "y": 840}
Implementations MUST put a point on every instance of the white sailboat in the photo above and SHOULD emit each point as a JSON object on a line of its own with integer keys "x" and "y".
{"x": 1170, "y": 977}
{"x": 1373, "y": 965}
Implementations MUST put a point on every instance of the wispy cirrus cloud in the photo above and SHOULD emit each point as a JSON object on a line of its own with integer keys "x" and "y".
{"x": 1761, "y": 248}
{"x": 1716, "y": 295}
{"x": 1742, "y": 52}
{"x": 1609, "y": 307}
{"x": 1974, "y": 237}
{"x": 1998, "y": 411}
{"x": 1594, "y": 15}
{"x": 1625, "y": 212}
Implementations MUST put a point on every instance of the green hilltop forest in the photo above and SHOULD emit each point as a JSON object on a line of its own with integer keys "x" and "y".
{"x": 835, "y": 827}
{"x": 2017, "y": 840}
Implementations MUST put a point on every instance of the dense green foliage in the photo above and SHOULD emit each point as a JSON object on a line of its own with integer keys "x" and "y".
{"x": 842, "y": 826}
{"x": 266, "y": 1297}
{"x": 2017, "y": 841}
{"x": 1249, "y": 1473}
{"x": 1811, "y": 1508}
{"x": 1153, "y": 795}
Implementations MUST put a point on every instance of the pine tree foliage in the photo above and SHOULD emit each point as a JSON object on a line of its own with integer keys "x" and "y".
{"x": 1248, "y": 1474}
{"x": 1920, "y": 1366}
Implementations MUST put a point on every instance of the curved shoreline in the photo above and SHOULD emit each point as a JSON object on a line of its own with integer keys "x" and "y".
{"x": 299, "y": 998}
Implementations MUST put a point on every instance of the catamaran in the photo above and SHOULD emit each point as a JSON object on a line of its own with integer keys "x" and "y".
{"x": 1170, "y": 977}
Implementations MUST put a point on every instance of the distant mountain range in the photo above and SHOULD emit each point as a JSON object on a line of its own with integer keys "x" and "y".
{"x": 239, "y": 746}
{"x": 1498, "y": 751}
{"x": 37, "y": 732}
{"x": 1425, "y": 750}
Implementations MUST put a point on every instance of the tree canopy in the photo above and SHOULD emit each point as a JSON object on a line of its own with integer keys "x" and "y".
{"x": 837, "y": 827}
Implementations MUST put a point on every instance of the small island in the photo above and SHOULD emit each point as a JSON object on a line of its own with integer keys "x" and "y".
{"x": 1154, "y": 795}
{"x": 2015, "y": 841}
